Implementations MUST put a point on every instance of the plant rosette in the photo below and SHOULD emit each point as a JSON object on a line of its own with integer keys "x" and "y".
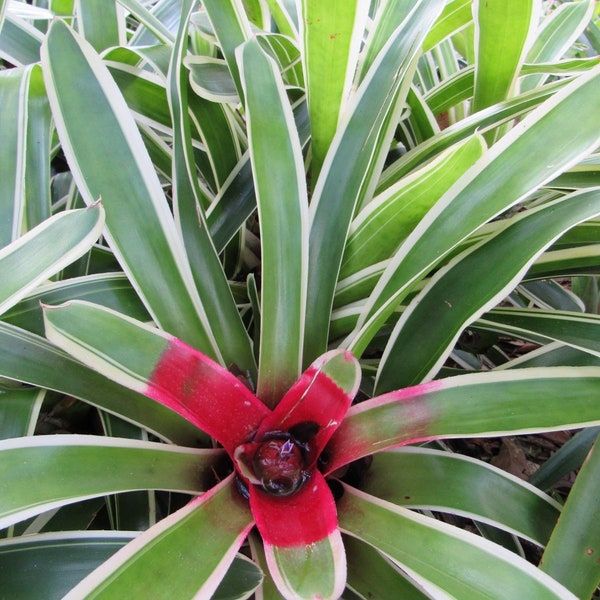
{"x": 276, "y": 453}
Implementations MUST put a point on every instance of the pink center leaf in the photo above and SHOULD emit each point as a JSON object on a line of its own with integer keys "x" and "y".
{"x": 303, "y": 518}
{"x": 206, "y": 394}
{"x": 274, "y": 452}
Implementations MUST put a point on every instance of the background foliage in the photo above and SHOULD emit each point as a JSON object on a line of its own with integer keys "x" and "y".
{"x": 417, "y": 182}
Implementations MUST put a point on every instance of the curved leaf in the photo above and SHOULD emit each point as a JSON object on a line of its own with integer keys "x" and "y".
{"x": 159, "y": 366}
{"x": 387, "y": 220}
{"x": 511, "y": 251}
{"x": 31, "y": 359}
{"x": 571, "y": 556}
{"x": 303, "y": 547}
{"x": 50, "y": 564}
{"x": 188, "y": 199}
{"x": 112, "y": 290}
{"x": 426, "y": 479}
{"x": 39, "y": 473}
{"x": 475, "y": 405}
{"x": 459, "y": 563}
{"x": 510, "y": 170}
{"x": 232, "y": 28}
{"x": 353, "y": 163}
{"x": 99, "y": 137}
{"x": 556, "y": 35}
{"x": 567, "y": 458}
{"x": 503, "y": 35}
{"x": 331, "y": 33}
{"x": 45, "y": 250}
{"x": 579, "y": 330}
{"x": 281, "y": 196}
{"x": 204, "y": 536}
{"x": 371, "y": 575}
{"x": 320, "y": 397}
{"x": 19, "y": 411}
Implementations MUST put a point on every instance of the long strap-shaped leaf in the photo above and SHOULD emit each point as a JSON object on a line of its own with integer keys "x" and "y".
{"x": 576, "y": 329}
{"x": 109, "y": 161}
{"x": 54, "y": 561}
{"x": 32, "y": 359}
{"x": 482, "y": 404}
{"x": 447, "y": 482}
{"x": 503, "y": 35}
{"x": 204, "y": 535}
{"x": 160, "y": 366}
{"x": 13, "y": 124}
{"x": 405, "y": 363}
{"x": 281, "y": 197}
{"x": 19, "y": 412}
{"x": 571, "y": 556}
{"x": 459, "y": 563}
{"x": 213, "y": 287}
{"x": 557, "y": 34}
{"x": 389, "y": 218}
{"x": 353, "y": 160}
{"x": 232, "y": 29}
{"x": 45, "y": 250}
{"x": 40, "y": 473}
{"x": 511, "y": 169}
{"x": 332, "y": 35}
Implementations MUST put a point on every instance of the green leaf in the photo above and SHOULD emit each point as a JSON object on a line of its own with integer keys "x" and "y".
{"x": 211, "y": 79}
{"x": 37, "y": 156}
{"x": 40, "y": 473}
{"x": 456, "y": 15}
{"x": 482, "y": 121}
{"x": 188, "y": 553}
{"x": 32, "y": 359}
{"x": 242, "y": 578}
{"x": 188, "y": 199}
{"x": 576, "y": 329}
{"x": 474, "y": 405}
{"x": 558, "y": 32}
{"x": 19, "y": 410}
{"x": 20, "y": 41}
{"x": 111, "y": 290}
{"x": 281, "y": 196}
{"x": 510, "y": 170}
{"x": 99, "y": 136}
{"x": 371, "y": 575}
{"x": 99, "y": 24}
{"x": 232, "y": 28}
{"x": 387, "y": 220}
{"x": 45, "y": 250}
{"x": 503, "y": 35}
{"x": 152, "y": 27}
{"x": 309, "y": 571}
{"x": 160, "y": 366}
{"x": 49, "y": 565}
{"x": 25, "y": 152}
{"x": 567, "y": 458}
{"x": 459, "y": 563}
{"x": 14, "y": 84}
{"x": 331, "y": 34}
{"x": 353, "y": 163}
{"x": 425, "y": 479}
{"x": 571, "y": 556}
{"x": 511, "y": 251}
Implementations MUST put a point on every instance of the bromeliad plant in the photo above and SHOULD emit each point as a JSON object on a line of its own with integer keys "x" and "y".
{"x": 264, "y": 254}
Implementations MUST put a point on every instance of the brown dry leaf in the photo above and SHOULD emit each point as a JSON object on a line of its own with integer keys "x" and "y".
{"x": 512, "y": 459}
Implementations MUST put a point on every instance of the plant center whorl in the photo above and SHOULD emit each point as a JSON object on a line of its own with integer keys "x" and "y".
{"x": 279, "y": 465}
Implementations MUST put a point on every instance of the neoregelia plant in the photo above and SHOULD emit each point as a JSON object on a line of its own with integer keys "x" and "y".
{"x": 257, "y": 257}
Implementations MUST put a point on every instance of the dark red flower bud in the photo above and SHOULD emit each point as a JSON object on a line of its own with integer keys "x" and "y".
{"x": 279, "y": 464}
